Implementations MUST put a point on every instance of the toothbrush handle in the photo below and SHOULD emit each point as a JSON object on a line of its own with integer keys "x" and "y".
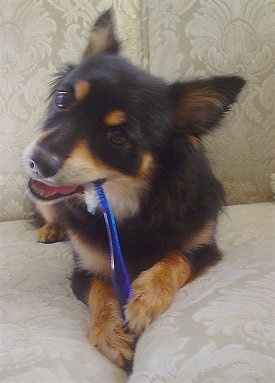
{"x": 120, "y": 278}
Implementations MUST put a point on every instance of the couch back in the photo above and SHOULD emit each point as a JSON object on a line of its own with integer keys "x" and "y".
{"x": 176, "y": 39}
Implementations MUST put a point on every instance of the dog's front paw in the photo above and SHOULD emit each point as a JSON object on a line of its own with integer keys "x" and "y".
{"x": 50, "y": 233}
{"x": 151, "y": 295}
{"x": 116, "y": 344}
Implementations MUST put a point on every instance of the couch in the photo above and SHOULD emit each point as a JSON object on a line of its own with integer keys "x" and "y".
{"x": 221, "y": 327}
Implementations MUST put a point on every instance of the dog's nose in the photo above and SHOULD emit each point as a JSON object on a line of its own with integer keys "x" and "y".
{"x": 43, "y": 163}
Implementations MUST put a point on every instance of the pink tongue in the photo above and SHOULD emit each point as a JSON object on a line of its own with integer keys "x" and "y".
{"x": 49, "y": 191}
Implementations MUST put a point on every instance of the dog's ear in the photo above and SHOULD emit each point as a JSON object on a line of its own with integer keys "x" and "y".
{"x": 198, "y": 106}
{"x": 102, "y": 37}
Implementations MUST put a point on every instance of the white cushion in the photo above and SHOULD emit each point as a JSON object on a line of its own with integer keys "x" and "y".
{"x": 221, "y": 327}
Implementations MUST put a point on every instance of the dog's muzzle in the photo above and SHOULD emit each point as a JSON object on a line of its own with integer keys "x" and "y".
{"x": 43, "y": 164}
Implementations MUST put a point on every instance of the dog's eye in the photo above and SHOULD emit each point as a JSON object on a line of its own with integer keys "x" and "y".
{"x": 117, "y": 136}
{"x": 63, "y": 100}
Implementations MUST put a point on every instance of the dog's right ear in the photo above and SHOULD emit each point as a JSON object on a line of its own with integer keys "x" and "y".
{"x": 102, "y": 37}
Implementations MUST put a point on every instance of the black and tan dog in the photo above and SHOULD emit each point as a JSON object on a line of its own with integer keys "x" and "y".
{"x": 111, "y": 122}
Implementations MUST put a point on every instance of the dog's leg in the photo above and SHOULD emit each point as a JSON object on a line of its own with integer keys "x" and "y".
{"x": 107, "y": 332}
{"x": 51, "y": 232}
{"x": 154, "y": 290}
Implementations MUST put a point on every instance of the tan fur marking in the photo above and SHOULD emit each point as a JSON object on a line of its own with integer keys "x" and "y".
{"x": 203, "y": 237}
{"x": 124, "y": 195}
{"x": 154, "y": 290}
{"x": 91, "y": 258}
{"x": 146, "y": 165}
{"x": 40, "y": 138}
{"x": 47, "y": 211}
{"x": 115, "y": 117}
{"x": 99, "y": 42}
{"x": 196, "y": 102}
{"x": 82, "y": 89}
{"x": 50, "y": 233}
{"x": 107, "y": 332}
{"x": 81, "y": 167}
{"x": 82, "y": 152}
{"x": 194, "y": 141}
{"x": 123, "y": 192}
{"x": 202, "y": 96}
{"x": 36, "y": 142}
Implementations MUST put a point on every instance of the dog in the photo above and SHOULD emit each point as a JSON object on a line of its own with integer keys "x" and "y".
{"x": 141, "y": 138}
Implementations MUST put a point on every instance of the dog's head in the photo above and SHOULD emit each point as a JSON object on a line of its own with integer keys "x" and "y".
{"x": 111, "y": 122}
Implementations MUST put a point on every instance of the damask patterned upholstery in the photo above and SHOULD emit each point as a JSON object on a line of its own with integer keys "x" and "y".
{"x": 221, "y": 328}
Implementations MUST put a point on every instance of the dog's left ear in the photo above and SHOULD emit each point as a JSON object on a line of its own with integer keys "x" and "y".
{"x": 102, "y": 37}
{"x": 198, "y": 106}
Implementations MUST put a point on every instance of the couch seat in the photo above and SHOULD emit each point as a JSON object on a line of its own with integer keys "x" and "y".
{"x": 220, "y": 329}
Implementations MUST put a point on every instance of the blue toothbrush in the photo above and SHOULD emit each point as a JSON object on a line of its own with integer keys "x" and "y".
{"x": 120, "y": 277}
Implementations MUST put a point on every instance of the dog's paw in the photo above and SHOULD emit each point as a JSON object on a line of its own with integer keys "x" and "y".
{"x": 112, "y": 341}
{"x": 151, "y": 295}
{"x": 50, "y": 233}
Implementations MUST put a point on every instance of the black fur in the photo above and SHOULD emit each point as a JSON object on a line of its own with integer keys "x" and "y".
{"x": 165, "y": 121}
{"x": 184, "y": 194}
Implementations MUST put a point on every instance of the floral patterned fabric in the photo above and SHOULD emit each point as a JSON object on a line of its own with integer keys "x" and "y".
{"x": 220, "y": 329}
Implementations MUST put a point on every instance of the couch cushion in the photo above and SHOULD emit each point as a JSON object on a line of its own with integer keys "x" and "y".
{"x": 44, "y": 329}
{"x": 220, "y": 328}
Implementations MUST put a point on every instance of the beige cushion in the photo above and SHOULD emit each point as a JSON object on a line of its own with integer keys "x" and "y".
{"x": 220, "y": 328}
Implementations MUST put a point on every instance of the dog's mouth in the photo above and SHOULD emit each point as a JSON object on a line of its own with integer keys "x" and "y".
{"x": 45, "y": 192}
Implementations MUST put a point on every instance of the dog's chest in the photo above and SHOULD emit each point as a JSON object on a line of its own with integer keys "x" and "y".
{"x": 88, "y": 236}
{"x": 90, "y": 256}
